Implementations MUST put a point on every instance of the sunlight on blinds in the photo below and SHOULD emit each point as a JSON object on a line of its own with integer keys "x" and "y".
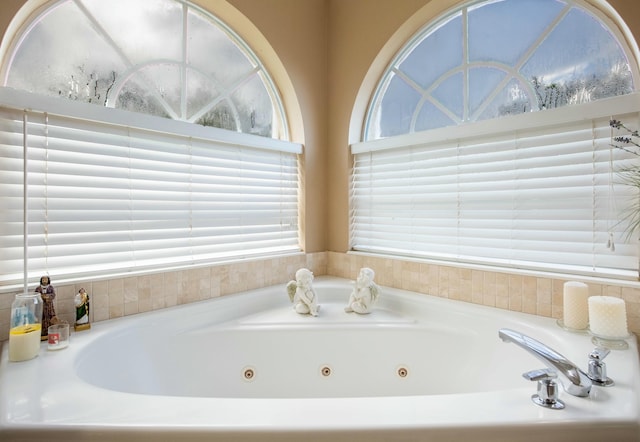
{"x": 527, "y": 197}
{"x": 106, "y": 198}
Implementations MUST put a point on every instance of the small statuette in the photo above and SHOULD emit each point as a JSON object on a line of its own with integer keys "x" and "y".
{"x": 302, "y": 295}
{"x": 81, "y": 302}
{"x": 48, "y": 294}
{"x": 364, "y": 294}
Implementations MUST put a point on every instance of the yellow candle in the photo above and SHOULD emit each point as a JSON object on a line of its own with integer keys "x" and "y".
{"x": 24, "y": 342}
{"x": 575, "y": 305}
{"x": 608, "y": 317}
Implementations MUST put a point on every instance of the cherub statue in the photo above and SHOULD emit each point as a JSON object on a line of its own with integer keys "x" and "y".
{"x": 81, "y": 302}
{"x": 364, "y": 294}
{"x": 302, "y": 295}
{"x": 48, "y": 294}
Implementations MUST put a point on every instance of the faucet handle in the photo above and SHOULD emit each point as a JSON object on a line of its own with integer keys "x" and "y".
{"x": 597, "y": 370}
{"x": 599, "y": 353}
{"x": 541, "y": 374}
{"x": 547, "y": 395}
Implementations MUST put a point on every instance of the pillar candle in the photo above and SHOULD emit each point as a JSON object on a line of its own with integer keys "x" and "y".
{"x": 575, "y": 305}
{"x": 608, "y": 317}
{"x": 24, "y": 342}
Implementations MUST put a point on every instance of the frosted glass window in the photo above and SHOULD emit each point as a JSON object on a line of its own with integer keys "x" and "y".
{"x": 138, "y": 137}
{"x": 166, "y": 58}
{"x": 491, "y": 59}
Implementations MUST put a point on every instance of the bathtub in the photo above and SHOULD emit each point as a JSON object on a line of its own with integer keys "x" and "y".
{"x": 246, "y": 367}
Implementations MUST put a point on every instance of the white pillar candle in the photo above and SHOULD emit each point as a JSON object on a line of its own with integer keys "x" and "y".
{"x": 575, "y": 305}
{"x": 608, "y": 317}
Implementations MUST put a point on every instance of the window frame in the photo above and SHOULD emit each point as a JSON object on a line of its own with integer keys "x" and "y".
{"x": 609, "y": 108}
{"x": 89, "y": 114}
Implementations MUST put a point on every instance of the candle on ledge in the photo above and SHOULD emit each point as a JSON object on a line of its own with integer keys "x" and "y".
{"x": 608, "y": 317}
{"x": 24, "y": 342}
{"x": 575, "y": 305}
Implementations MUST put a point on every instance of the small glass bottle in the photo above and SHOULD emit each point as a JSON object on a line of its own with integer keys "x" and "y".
{"x": 26, "y": 324}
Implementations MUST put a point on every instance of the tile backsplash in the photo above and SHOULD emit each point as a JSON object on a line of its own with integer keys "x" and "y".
{"x": 115, "y": 298}
{"x": 129, "y": 296}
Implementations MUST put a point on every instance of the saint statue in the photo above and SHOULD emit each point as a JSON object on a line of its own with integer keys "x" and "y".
{"x": 81, "y": 302}
{"x": 48, "y": 294}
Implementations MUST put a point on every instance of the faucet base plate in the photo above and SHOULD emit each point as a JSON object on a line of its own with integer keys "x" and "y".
{"x": 554, "y": 405}
{"x": 608, "y": 382}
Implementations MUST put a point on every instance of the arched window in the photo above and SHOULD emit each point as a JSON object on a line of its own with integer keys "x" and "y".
{"x": 136, "y": 137}
{"x": 465, "y": 67}
{"x": 491, "y": 144}
{"x": 160, "y": 57}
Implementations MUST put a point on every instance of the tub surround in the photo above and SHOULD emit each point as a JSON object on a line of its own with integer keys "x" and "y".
{"x": 115, "y": 298}
{"x": 542, "y": 296}
{"x": 536, "y": 295}
{"x": 102, "y": 385}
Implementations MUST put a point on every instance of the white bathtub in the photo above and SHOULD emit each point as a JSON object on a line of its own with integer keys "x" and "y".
{"x": 246, "y": 367}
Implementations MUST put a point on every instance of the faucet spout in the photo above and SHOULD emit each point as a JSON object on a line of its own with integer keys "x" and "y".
{"x": 574, "y": 380}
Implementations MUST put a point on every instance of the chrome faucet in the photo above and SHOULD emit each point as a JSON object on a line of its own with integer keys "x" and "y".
{"x": 574, "y": 380}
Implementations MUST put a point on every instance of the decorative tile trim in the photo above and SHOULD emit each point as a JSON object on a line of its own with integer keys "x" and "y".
{"x": 129, "y": 296}
{"x": 540, "y": 296}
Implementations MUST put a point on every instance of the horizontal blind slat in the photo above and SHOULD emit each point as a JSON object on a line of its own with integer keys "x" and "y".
{"x": 537, "y": 197}
{"x": 108, "y": 199}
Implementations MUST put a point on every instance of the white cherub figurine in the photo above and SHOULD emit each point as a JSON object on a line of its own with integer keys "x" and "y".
{"x": 301, "y": 293}
{"x": 364, "y": 294}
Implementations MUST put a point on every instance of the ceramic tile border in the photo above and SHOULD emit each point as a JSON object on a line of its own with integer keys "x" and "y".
{"x": 529, "y": 294}
{"x": 129, "y": 296}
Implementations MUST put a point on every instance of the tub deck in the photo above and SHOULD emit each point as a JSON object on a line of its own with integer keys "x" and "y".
{"x": 181, "y": 374}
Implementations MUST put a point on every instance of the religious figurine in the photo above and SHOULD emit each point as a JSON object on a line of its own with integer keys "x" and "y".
{"x": 81, "y": 302}
{"x": 48, "y": 294}
{"x": 302, "y": 295}
{"x": 364, "y": 294}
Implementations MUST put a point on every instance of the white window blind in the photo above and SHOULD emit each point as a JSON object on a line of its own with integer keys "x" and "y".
{"x": 111, "y": 192}
{"x": 535, "y": 191}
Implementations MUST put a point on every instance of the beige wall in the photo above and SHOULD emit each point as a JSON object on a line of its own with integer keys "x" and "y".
{"x": 328, "y": 72}
{"x": 358, "y": 31}
{"x": 323, "y": 54}
{"x": 297, "y": 32}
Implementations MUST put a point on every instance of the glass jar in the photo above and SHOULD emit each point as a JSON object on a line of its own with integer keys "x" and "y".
{"x": 26, "y": 324}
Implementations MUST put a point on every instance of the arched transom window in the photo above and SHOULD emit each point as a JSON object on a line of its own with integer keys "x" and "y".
{"x": 162, "y": 57}
{"x": 495, "y": 58}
